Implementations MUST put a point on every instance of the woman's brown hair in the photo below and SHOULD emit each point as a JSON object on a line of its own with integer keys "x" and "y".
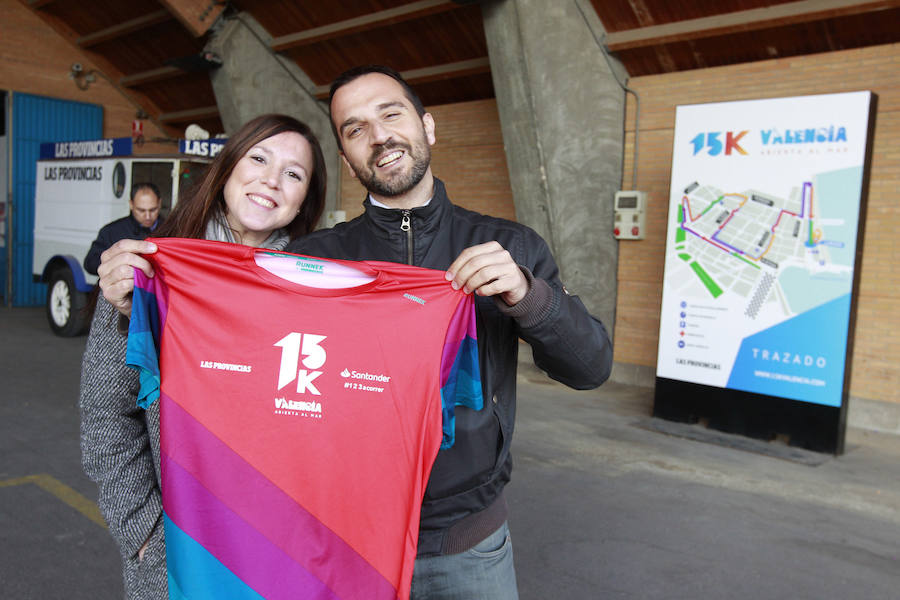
{"x": 195, "y": 208}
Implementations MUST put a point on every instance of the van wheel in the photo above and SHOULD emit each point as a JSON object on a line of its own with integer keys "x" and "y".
{"x": 66, "y": 310}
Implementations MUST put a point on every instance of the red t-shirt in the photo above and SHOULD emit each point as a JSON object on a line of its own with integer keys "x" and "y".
{"x": 298, "y": 422}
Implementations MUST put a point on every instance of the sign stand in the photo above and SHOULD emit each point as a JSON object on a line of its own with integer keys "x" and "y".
{"x": 767, "y": 204}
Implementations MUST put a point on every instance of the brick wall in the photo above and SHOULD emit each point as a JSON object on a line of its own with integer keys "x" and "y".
{"x": 467, "y": 156}
{"x": 875, "y": 367}
{"x": 36, "y": 60}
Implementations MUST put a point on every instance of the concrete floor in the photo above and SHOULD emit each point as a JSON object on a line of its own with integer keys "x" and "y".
{"x": 602, "y": 505}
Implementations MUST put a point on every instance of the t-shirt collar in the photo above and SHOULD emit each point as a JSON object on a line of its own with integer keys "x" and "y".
{"x": 375, "y": 202}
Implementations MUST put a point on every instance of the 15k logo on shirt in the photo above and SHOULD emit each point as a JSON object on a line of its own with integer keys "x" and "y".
{"x": 293, "y": 346}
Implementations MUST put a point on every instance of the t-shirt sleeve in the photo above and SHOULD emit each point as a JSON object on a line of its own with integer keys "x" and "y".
{"x": 144, "y": 331}
{"x": 460, "y": 374}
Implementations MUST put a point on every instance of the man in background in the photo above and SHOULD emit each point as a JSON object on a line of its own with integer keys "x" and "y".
{"x": 140, "y": 223}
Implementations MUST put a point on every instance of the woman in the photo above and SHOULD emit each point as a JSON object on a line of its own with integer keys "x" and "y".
{"x": 266, "y": 187}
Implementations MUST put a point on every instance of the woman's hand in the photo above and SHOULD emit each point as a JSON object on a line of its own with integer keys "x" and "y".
{"x": 116, "y": 271}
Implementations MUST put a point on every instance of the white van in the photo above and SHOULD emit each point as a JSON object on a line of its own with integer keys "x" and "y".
{"x": 74, "y": 198}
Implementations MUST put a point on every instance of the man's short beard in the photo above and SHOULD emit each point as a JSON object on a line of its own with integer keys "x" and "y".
{"x": 421, "y": 155}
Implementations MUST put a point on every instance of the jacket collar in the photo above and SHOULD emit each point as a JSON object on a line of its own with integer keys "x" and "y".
{"x": 137, "y": 224}
{"x": 424, "y": 218}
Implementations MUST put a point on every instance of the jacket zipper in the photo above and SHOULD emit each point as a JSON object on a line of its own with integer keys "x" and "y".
{"x": 405, "y": 226}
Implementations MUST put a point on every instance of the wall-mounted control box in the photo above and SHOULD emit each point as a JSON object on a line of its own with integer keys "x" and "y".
{"x": 629, "y": 221}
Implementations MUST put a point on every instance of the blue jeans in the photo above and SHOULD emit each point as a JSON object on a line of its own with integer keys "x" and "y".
{"x": 484, "y": 572}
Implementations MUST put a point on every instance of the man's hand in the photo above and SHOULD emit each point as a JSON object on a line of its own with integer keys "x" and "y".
{"x": 488, "y": 270}
{"x": 116, "y": 271}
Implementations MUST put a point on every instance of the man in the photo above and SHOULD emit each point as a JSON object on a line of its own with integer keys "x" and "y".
{"x": 385, "y": 138}
{"x": 140, "y": 223}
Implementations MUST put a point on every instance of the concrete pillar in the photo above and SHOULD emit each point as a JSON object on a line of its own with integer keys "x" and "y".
{"x": 562, "y": 114}
{"x": 253, "y": 80}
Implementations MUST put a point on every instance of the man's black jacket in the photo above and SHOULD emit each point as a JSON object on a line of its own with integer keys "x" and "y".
{"x": 567, "y": 342}
{"x": 120, "y": 229}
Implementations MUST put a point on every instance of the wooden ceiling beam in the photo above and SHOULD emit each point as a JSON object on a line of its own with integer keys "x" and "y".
{"x": 124, "y": 28}
{"x": 448, "y": 71}
{"x": 197, "y": 16}
{"x": 453, "y": 70}
{"x": 777, "y": 15}
{"x": 150, "y": 76}
{"x": 182, "y": 116}
{"x": 391, "y": 16}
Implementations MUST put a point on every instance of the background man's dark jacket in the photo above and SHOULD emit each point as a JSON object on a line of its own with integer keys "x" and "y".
{"x": 120, "y": 229}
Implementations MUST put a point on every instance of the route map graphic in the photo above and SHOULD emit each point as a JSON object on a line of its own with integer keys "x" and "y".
{"x": 741, "y": 242}
{"x": 761, "y": 244}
